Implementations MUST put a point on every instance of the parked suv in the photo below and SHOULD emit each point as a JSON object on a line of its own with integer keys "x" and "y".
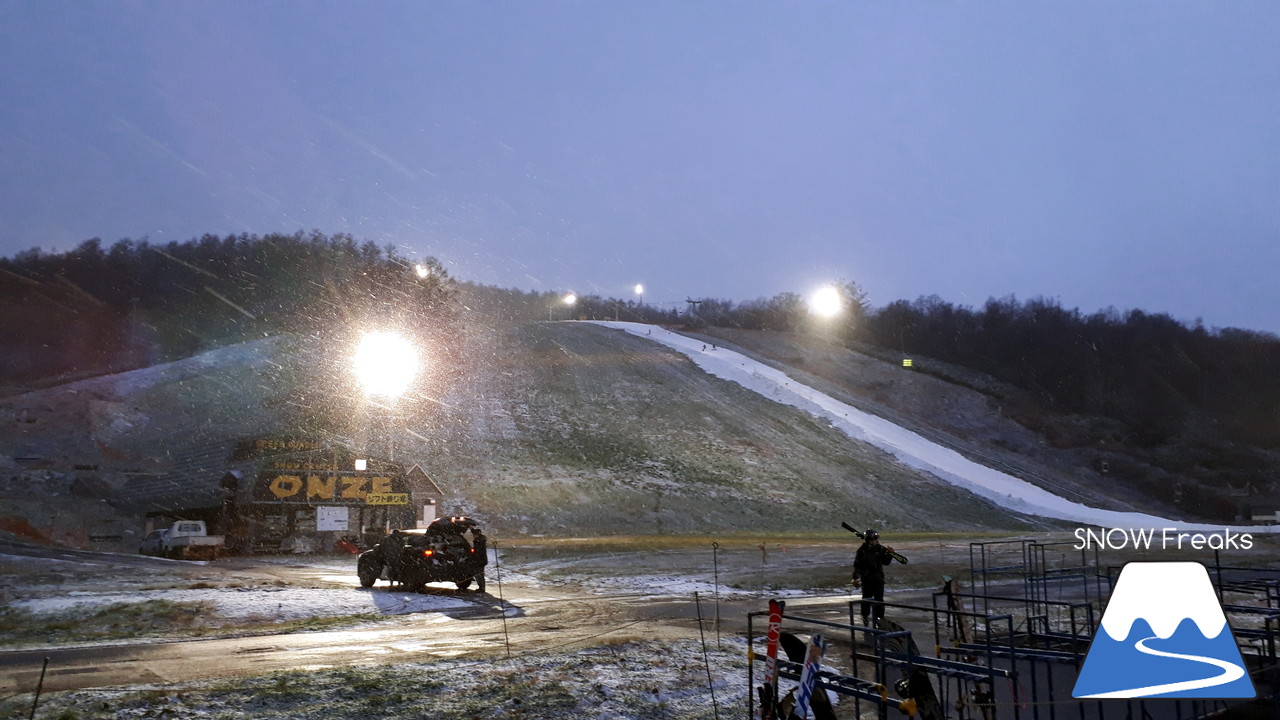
{"x": 441, "y": 552}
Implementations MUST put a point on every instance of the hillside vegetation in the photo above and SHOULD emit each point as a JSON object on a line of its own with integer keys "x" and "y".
{"x": 573, "y": 427}
{"x": 550, "y": 428}
{"x": 1130, "y": 405}
{"x": 538, "y": 420}
{"x": 96, "y": 310}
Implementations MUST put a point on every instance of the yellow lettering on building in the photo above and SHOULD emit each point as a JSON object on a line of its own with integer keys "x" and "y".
{"x": 283, "y": 486}
{"x": 381, "y": 485}
{"x": 387, "y": 498}
{"x": 353, "y": 487}
{"x": 321, "y": 487}
{"x": 298, "y": 465}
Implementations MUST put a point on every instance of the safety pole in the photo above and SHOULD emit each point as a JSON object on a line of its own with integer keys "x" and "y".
{"x": 502, "y": 603}
{"x": 706, "y": 661}
{"x": 715, "y": 568}
{"x": 40, "y": 686}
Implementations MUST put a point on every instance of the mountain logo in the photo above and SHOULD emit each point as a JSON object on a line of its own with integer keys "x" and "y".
{"x": 1163, "y": 635}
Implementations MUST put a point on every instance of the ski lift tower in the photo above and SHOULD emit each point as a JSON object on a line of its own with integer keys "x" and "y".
{"x": 693, "y": 307}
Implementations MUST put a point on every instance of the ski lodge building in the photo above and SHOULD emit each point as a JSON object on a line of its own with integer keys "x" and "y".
{"x": 290, "y": 494}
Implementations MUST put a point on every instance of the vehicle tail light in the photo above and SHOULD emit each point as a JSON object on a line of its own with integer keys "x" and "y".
{"x": 428, "y": 553}
{"x": 472, "y": 550}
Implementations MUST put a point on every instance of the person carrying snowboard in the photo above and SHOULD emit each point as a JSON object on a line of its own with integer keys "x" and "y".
{"x": 391, "y": 551}
{"x": 868, "y": 574}
{"x": 480, "y": 551}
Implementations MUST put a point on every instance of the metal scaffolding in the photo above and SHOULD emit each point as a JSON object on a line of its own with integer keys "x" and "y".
{"x": 1017, "y": 652}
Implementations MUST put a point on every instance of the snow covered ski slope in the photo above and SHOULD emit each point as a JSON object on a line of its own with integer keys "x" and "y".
{"x": 908, "y": 447}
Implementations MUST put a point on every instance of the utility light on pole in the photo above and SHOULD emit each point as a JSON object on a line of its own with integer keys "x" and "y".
{"x": 568, "y": 300}
{"x": 826, "y": 302}
{"x": 385, "y": 364}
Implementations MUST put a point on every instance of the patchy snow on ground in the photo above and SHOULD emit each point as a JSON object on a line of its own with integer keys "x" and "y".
{"x": 247, "y": 604}
{"x": 231, "y": 602}
{"x": 685, "y": 680}
{"x": 669, "y": 586}
{"x": 908, "y": 447}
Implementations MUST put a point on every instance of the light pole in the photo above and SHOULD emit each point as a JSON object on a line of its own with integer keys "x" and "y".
{"x": 640, "y": 292}
{"x": 569, "y": 301}
{"x": 386, "y": 365}
{"x": 827, "y": 303}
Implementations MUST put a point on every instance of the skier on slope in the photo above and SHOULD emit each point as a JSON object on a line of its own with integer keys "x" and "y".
{"x": 868, "y": 573}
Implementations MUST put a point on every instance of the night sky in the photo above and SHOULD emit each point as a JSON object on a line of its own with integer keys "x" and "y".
{"x": 1101, "y": 153}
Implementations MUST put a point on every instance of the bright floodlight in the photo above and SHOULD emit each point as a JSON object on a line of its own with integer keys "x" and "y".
{"x": 639, "y": 289}
{"x": 570, "y": 299}
{"x": 385, "y": 364}
{"x": 422, "y": 270}
{"x": 826, "y": 302}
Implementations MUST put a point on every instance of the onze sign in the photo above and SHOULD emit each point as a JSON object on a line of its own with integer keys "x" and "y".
{"x": 345, "y": 489}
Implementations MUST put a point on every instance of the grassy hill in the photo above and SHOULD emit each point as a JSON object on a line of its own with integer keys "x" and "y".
{"x": 544, "y": 428}
{"x": 577, "y": 428}
{"x": 531, "y": 420}
{"x": 967, "y": 411}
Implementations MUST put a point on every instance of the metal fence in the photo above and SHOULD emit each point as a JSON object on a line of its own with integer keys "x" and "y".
{"x": 1013, "y": 647}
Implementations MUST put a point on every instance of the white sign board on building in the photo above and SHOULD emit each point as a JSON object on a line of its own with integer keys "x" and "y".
{"x": 331, "y": 518}
{"x": 428, "y": 513}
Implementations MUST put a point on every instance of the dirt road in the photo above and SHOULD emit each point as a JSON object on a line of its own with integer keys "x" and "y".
{"x": 529, "y": 616}
{"x": 534, "y": 622}
{"x": 546, "y": 603}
